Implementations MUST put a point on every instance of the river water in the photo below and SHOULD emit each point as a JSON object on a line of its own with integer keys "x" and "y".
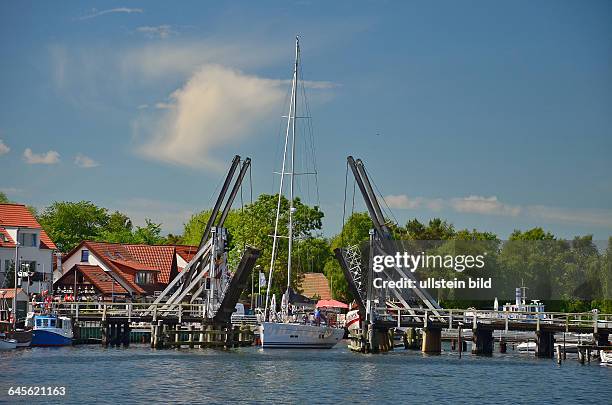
{"x": 140, "y": 374}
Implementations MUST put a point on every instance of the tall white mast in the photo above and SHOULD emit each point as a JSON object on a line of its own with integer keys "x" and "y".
{"x": 291, "y": 208}
{"x": 290, "y": 127}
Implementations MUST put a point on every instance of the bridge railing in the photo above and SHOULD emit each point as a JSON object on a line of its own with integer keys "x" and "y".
{"x": 472, "y": 317}
{"x": 129, "y": 310}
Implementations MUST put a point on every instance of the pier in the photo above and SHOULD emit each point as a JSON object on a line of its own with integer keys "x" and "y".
{"x": 113, "y": 324}
{"x": 483, "y": 324}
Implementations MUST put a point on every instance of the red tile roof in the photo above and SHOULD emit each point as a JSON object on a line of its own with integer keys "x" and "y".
{"x": 103, "y": 281}
{"x": 18, "y": 215}
{"x": 160, "y": 257}
{"x": 315, "y": 285}
{"x": 9, "y": 293}
{"x": 5, "y": 239}
{"x": 107, "y": 252}
{"x": 134, "y": 265}
{"x": 186, "y": 252}
{"x": 137, "y": 257}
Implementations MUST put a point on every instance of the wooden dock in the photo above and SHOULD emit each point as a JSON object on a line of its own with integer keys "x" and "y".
{"x": 161, "y": 325}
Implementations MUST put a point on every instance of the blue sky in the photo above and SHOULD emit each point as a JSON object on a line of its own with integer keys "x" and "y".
{"x": 493, "y": 115}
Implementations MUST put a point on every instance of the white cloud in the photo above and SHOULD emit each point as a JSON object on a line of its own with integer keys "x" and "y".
{"x": 217, "y": 106}
{"x": 483, "y": 205}
{"x": 493, "y": 206}
{"x": 85, "y": 161}
{"x": 4, "y": 149}
{"x": 160, "y": 31}
{"x": 47, "y": 158}
{"x": 163, "y": 106}
{"x": 403, "y": 202}
{"x": 96, "y": 13}
{"x": 163, "y": 60}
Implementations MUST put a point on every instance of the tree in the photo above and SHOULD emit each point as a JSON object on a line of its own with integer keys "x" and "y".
{"x": 254, "y": 225}
{"x": 436, "y": 229}
{"x": 150, "y": 234}
{"x": 355, "y": 231}
{"x": 69, "y": 223}
{"x": 532, "y": 234}
{"x": 4, "y": 199}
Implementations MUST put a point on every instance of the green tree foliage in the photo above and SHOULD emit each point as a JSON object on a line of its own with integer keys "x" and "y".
{"x": 254, "y": 225}
{"x": 4, "y": 199}
{"x": 354, "y": 232}
{"x": 69, "y": 223}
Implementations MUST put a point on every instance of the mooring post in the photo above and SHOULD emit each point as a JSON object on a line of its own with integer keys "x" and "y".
{"x": 545, "y": 344}
{"x": 190, "y": 338}
{"x": 432, "y": 340}
{"x": 126, "y": 334}
{"x": 482, "y": 339}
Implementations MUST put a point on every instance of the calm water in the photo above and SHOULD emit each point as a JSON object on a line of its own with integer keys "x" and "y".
{"x": 140, "y": 374}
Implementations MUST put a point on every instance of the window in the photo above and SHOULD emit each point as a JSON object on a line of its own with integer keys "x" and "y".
{"x": 84, "y": 255}
{"x": 28, "y": 239}
{"x": 144, "y": 277}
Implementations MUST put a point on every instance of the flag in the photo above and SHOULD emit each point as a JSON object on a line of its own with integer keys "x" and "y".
{"x": 262, "y": 278}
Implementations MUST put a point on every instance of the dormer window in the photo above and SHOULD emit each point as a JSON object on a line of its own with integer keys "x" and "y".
{"x": 84, "y": 256}
{"x": 144, "y": 278}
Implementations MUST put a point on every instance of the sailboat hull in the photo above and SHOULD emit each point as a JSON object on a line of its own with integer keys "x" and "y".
{"x": 297, "y": 336}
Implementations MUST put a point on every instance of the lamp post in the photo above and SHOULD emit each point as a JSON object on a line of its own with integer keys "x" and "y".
{"x": 15, "y": 269}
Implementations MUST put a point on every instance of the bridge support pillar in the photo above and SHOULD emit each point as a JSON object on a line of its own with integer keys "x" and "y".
{"x": 602, "y": 339}
{"x": 126, "y": 334}
{"x": 432, "y": 340}
{"x": 482, "y": 339}
{"x": 545, "y": 344}
{"x": 411, "y": 339}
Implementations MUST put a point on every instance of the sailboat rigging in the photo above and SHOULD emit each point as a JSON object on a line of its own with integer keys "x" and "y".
{"x": 285, "y": 332}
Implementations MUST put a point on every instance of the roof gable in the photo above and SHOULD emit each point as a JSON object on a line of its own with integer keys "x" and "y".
{"x": 18, "y": 215}
{"x": 315, "y": 285}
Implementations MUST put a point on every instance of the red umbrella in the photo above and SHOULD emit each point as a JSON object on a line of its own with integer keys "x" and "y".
{"x": 331, "y": 304}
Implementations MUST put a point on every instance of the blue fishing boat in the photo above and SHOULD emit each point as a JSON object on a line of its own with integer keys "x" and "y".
{"x": 50, "y": 330}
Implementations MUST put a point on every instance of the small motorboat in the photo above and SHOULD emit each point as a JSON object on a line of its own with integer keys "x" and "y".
{"x": 7, "y": 344}
{"x": 50, "y": 329}
{"x": 23, "y": 337}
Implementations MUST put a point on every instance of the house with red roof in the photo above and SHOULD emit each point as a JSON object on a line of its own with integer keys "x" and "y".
{"x": 23, "y": 241}
{"x": 101, "y": 270}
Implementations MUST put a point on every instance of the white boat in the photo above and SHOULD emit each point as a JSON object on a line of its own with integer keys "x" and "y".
{"x": 532, "y": 346}
{"x": 606, "y": 357}
{"x": 281, "y": 330}
{"x": 281, "y": 335}
{"x": 353, "y": 320}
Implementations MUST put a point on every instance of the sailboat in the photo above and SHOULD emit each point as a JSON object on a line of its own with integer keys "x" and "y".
{"x": 282, "y": 330}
